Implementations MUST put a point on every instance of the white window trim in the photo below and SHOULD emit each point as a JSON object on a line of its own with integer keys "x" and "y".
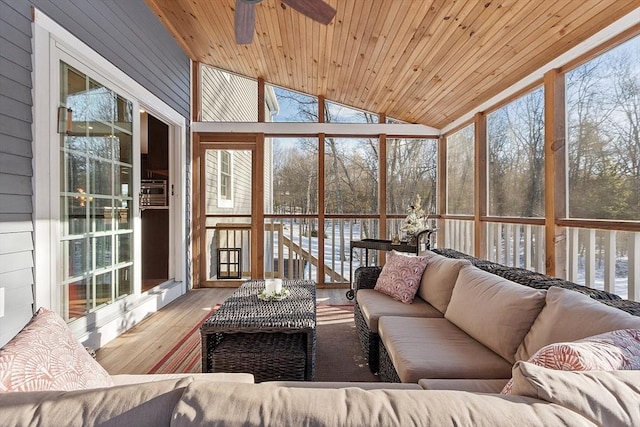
{"x": 225, "y": 203}
{"x": 51, "y": 42}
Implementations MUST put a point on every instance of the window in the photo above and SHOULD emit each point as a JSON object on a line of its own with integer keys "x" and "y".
{"x": 603, "y": 135}
{"x": 292, "y": 106}
{"x": 95, "y": 201}
{"x": 225, "y": 179}
{"x": 460, "y": 171}
{"x": 336, "y": 113}
{"x": 515, "y": 139}
{"x": 295, "y": 176}
{"x": 411, "y": 170}
{"x": 351, "y": 175}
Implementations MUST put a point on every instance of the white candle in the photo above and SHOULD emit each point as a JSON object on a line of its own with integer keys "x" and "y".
{"x": 277, "y": 285}
{"x": 269, "y": 286}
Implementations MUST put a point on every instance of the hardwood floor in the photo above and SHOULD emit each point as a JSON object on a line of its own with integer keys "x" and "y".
{"x": 132, "y": 352}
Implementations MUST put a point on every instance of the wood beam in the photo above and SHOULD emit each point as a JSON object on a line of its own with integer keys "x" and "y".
{"x": 261, "y": 105}
{"x": 196, "y": 229}
{"x": 195, "y": 91}
{"x": 257, "y": 209}
{"x": 441, "y": 196}
{"x": 320, "y": 271}
{"x": 382, "y": 186}
{"x": 320, "y": 109}
{"x": 555, "y": 173}
{"x": 480, "y": 185}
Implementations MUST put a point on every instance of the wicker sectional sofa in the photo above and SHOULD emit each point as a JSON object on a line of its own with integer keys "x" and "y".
{"x": 470, "y": 322}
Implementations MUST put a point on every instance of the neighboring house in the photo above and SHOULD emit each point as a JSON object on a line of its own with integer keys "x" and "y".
{"x": 228, "y": 97}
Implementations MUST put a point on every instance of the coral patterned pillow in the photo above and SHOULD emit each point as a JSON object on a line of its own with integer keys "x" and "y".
{"x": 45, "y": 356}
{"x": 611, "y": 351}
{"x": 400, "y": 276}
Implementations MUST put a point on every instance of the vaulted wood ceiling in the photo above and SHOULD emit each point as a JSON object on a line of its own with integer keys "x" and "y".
{"x": 421, "y": 61}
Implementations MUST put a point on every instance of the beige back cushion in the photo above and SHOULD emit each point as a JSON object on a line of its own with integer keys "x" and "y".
{"x": 493, "y": 310}
{"x": 146, "y": 404}
{"x": 568, "y": 316}
{"x": 205, "y": 403}
{"x": 438, "y": 279}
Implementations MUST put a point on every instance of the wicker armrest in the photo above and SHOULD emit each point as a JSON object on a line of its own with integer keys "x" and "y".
{"x": 366, "y": 277}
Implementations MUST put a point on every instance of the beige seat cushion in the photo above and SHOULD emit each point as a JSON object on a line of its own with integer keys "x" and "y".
{"x": 606, "y": 398}
{"x": 439, "y": 278}
{"x": 345, "y": 384}
{"x": 493, "y": 310}
{"x": 436, "y": 348}
{"x": 374, "y": 304}
{"x": 123, "y": 379}
{"x": 267, "y": 405}
{"x": 473, "y": 386}
{"x": 569, "y": 316}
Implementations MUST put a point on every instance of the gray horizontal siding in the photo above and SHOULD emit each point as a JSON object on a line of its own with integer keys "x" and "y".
{"x": 128, "y": 35}
{"x": 16, "y": 227}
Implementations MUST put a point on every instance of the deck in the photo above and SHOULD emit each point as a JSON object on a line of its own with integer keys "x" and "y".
{"x": 130, "y": 352}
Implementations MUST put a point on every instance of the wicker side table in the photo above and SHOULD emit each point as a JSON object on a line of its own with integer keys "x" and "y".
{"x": 272, "y": 340}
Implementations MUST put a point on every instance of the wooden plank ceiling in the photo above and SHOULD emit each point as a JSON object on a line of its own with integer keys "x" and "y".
{"x": 421, "y": 61}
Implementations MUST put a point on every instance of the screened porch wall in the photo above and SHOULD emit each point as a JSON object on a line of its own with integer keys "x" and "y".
{"x": 536, "y": 235}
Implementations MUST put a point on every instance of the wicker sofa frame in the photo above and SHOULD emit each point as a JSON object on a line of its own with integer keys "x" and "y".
{"x": 366, "y": 277}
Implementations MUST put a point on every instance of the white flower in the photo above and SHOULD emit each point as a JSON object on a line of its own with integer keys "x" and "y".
{"x": 416, "y": 220}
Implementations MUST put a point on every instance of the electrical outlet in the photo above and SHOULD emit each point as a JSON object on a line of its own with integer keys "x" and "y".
{"x": 1, "y": 302}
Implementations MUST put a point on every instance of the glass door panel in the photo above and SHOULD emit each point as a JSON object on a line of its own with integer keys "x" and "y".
{"x": 96, "y": 173}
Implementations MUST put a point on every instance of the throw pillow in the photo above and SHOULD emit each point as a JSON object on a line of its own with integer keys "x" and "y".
{"x": 605, "y": 398}
{"x": 611, "y": 351}
{"x": 400, "y": 276}
{"x": 45, "y": 356}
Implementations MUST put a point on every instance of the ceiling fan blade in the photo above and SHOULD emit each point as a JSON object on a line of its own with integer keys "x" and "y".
{"x": 317, "y": 10}
{"x": 245, "y": 21}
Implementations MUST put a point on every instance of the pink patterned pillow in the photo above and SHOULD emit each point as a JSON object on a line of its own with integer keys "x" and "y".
{"x": 400, "y": 276}
{"x": 611, "y": 351}
{"x": 45, "y": 356}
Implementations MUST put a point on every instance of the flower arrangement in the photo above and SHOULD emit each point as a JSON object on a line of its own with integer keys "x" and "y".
{"x": 416, "y": 220}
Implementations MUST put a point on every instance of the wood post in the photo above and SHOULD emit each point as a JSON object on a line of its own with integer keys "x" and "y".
{"x": 555, "y": 174}
{"x": 480, "y": 193}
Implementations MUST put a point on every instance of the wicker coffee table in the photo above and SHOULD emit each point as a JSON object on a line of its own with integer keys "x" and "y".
{"x": 273, "y": 340}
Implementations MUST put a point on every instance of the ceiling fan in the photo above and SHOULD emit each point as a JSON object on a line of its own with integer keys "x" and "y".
{"x": 245, "y": 15}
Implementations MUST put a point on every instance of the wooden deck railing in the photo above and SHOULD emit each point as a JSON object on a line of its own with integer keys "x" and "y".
{"x": 602, "y": 255}
{"x": 603, "y": 258}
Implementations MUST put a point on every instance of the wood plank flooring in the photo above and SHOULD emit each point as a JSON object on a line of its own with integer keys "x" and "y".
{"x": 155, "y": 335}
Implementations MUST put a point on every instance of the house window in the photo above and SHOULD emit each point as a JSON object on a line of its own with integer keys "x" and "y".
{"x": 225, "y": 179}
{"x": 96, "y": 175}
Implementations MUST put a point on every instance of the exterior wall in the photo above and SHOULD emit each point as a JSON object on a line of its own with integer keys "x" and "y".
{"x": 227, "y": 97}
{"x": 127, "y": 34}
